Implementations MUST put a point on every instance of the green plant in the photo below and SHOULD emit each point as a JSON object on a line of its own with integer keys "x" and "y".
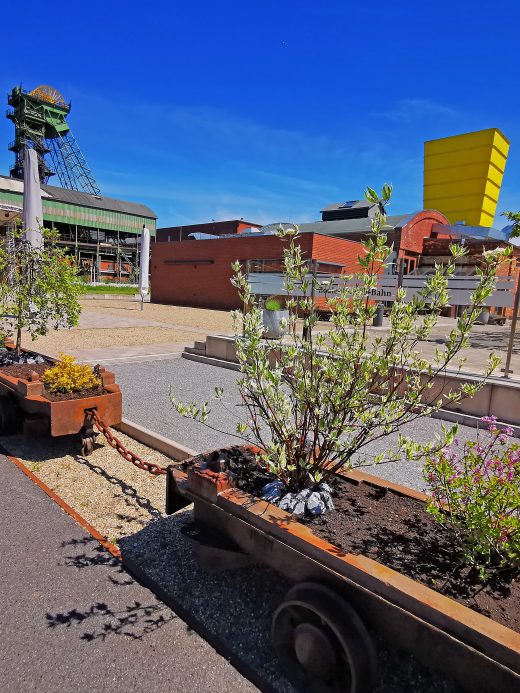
{"x": 475, "y": 493}
{"x": 273, "y": 303}
{"x": 68, "y": 376}
{"x": 329, "y": 396}
{"x": 39, "y": 287}
{"x": 515, "y": 218}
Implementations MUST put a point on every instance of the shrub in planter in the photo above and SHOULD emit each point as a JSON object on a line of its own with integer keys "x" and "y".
{"x": 475, "y": 493}
{"x": 39, "y": 287}
{"x": 68, "y": 376}
{"x": 275, "y": 318}
{"x": 315, "y": 403}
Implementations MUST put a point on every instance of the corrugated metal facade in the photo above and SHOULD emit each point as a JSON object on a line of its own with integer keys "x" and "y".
{"x": 88, "y": 216}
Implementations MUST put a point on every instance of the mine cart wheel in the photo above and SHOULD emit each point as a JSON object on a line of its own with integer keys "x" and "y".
{"x": 9, "y": 415}
{"x": 322, "y": 642}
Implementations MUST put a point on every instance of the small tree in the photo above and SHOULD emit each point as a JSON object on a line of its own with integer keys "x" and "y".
{"x": 513, "y": 217}
{"x": 39, "y": 287}
{"x": 328, "y": 396}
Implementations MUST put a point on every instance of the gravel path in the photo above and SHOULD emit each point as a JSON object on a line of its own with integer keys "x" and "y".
{"x": 236, "y": 608}
{"x": 114, "y": 496}
{"x": 191, "y": 381}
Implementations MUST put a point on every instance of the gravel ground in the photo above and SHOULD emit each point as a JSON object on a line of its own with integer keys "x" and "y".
{"x": 71, "y": 340}
{"x": 236, "y": 607}
{"x": 211, "y": 320}
{"x": 114, "y": 496}
{"x": 191, "y": 381}
{"x": 122, "y": 323}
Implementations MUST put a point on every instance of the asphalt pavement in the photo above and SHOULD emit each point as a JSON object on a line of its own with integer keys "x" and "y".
{"x": 72, "y": 619}
{"x": 146, "y": 390}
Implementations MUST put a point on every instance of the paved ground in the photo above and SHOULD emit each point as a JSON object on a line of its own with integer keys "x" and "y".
{"x": 71, "y": 619}
{"x": 110, "y": 328}
{"x": 116, "y": 329}
{"x": 146, "y": 387}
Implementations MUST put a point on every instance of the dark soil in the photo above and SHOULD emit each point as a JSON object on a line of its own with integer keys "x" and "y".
{"x": 24, "y": 370}
{"x": 393, "y": 530}
{"x": 398, "y": 532}
{"x": 62, "y": 396}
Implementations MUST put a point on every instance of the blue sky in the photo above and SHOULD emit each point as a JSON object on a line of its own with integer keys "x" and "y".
{"x": 268, "y": 110}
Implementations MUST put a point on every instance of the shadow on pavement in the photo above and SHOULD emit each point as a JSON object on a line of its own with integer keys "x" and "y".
{"x": 100, "y": 620}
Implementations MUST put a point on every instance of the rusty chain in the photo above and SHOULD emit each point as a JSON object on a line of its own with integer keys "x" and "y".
{"x": 127, "y": 454}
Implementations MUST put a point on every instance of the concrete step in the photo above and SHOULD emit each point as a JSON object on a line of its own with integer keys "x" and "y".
{"x": 201, "y": 346}
{"x": 201, "y": 358}
{"x": 194, "y": 350}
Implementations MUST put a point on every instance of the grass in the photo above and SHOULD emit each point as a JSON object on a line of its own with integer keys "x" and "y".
{"x": 109, "y": 289}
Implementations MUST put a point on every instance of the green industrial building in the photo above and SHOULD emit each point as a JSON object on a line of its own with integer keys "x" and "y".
{"x": 102, "y": 233}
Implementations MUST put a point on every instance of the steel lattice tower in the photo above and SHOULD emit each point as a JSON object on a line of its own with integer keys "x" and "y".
{"x": 39, "y": 119}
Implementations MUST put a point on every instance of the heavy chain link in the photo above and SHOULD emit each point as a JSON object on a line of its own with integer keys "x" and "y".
{"x": 114, "y": 442}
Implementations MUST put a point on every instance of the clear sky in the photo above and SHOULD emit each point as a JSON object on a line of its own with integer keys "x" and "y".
{"x": 267, "y": 110}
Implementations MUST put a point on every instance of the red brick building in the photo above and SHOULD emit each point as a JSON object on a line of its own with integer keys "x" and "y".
{"x": 198, "y": 273}
{"x": 406, "y": 232}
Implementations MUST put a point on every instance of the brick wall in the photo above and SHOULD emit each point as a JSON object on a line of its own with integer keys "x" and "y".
{"x": 413, "y": 234}
{"x": 198, "y": 273}
{"x": 437, "y": 250}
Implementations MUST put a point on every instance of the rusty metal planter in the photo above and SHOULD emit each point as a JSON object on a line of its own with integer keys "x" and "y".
{"x": 480, "y": 654}
{"x": 66, "y": 417}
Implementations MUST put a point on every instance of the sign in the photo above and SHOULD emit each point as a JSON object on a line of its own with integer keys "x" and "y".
{"x": 328, "y": 285}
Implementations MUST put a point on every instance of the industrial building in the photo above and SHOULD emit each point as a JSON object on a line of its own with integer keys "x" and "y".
{"x": 191, "y": 265}
{"x": 101, "y": 232}
{"x": 197, "y": 272}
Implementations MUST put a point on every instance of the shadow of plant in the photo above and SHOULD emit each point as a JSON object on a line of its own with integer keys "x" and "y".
{"x": 133, "y": 620}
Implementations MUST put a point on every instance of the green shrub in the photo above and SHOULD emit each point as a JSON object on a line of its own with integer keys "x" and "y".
{"x": 273, "y": 303}
{"x": 475, "y": 493}
{"x": 313, "y": 403}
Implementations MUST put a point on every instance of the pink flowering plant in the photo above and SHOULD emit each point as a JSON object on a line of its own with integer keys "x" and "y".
{"x": 475, "y": 493}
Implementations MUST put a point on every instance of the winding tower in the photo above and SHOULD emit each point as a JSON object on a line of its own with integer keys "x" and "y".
{"x": 40, "y": 121}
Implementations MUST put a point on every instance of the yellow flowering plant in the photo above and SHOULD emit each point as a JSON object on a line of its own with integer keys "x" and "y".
{"x": 68, "y": 376}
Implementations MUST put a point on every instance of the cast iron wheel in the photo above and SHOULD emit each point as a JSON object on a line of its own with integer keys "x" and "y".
{"x": 322, "y": 642}
{"x": 9, "y": 421}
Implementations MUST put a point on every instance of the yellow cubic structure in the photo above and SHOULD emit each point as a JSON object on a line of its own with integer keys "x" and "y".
{"x": 463, "y": 175}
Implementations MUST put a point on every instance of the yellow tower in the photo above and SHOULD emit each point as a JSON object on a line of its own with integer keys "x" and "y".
{"x": 463, "y": 175}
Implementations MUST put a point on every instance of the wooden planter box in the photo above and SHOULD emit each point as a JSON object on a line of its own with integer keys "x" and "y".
{"x": 480, "y": 654}
{"x": 43, "y": 417}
